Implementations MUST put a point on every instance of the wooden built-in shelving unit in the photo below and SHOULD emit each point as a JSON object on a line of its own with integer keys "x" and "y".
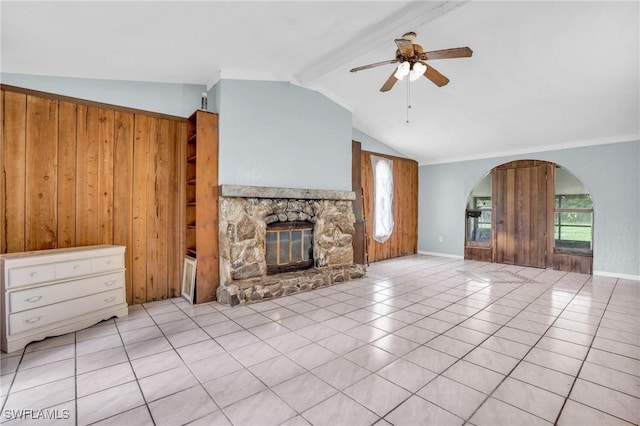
{"x": 201, "y": 202}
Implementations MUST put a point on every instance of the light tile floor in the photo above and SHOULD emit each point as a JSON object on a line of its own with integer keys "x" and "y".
{"x": 420, "y": 341}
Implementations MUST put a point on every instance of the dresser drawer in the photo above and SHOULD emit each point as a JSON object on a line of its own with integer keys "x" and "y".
{"x": 50, "y": 314}
{"x": 108, "y": 263}
{"x": 20, "y": 277}
{"x": 21, "y": 300}
{"x": 31, "y": 275}
{"x": 73, "y": 268}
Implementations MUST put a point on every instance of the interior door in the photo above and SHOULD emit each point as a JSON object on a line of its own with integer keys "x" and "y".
{"x": 520, "y": 213}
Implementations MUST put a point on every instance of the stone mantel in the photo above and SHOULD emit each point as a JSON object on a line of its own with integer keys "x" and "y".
{"x": 245, "y": 191}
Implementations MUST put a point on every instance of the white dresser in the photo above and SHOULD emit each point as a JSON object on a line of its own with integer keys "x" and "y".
{"x": 53, "y": 292}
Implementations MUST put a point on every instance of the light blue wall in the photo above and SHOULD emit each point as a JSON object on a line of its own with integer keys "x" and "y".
{"x": 611, "y": 173}
{"x": 166, "y": 98}
{"x": 213, "y": 96}
{"x": 374, "y": 145}
{"x": 280, "y": 135}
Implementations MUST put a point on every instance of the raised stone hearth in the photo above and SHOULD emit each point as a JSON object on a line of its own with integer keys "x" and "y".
{"x": 242, "y": 292}
{"x": 245, "y": 213}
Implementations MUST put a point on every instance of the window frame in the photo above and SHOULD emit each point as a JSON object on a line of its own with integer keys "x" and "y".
{"x": 481, "y": 210}
{"x": 559, "y": 209}
{"x": 383, "y": 199}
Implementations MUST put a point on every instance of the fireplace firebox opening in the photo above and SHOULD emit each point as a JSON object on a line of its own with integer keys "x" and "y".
{"x": 289, "y": 247}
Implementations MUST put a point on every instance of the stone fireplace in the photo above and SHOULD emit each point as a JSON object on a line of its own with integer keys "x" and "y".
{"x": 279, "y": 241}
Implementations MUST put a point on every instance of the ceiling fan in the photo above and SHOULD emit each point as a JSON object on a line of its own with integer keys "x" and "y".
{"x": 411, "y": 57}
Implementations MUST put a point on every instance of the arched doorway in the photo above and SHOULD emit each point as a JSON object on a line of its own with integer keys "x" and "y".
{"x": 538, "y": 214}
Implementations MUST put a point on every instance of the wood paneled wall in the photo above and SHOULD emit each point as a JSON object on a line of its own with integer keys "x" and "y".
{"x": 77, "y": 173}
{"x": 404, "y": 239}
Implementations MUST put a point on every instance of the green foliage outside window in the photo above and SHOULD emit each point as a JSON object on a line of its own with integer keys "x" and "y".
{"x": 573, "y": 229}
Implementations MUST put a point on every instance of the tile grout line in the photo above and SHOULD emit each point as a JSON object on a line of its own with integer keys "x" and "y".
{"x": 269, "y": 388}
{"x": 220, "y": 409}
{"x": 13, "y": 379}
{"x": 480, "y": 343}
{"x": 380, "y": 417}
{"x": 200, "y": 383}
{"x": 442, "y": 333}
{"x": 338, "y": 356}
{"x": 575, "y": 379}
{"x": 75, "y": 375}
{"x": 582, "y": 360}
{"x": 175, "y": 349}
{"x": 135, "y": 377}
{"x": 488, "y": 284}
{"x": 530, "y": 349}
{"x": 338, "y": 391}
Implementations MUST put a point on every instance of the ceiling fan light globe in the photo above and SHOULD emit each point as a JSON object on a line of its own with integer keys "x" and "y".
{"x": 417, "y": 71}
{"x": 403, "y": 70}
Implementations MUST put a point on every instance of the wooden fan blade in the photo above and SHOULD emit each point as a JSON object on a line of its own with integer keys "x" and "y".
{"x": 437, "y": 78}
{"x": 458, "y": 52}
{"x": 377, "y": 64}
{"x": 388, "y": 85}
{"x": 404, "y": 46}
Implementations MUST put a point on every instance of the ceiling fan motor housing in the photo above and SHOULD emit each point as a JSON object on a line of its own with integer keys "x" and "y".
{"x": 417, "y": 50}
{"x": 411, "y": 36}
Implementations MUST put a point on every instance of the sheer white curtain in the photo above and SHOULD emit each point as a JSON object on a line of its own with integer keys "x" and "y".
{"x": 383, "y": 198}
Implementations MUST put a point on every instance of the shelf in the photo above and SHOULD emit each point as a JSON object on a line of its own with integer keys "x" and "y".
{"x": 200, "y": 208}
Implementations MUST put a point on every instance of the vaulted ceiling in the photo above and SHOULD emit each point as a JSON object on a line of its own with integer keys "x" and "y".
{"x": 543, "y": 75}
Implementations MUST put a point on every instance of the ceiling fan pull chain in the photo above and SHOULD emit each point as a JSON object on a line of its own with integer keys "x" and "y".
{"x": 408, "y": 99}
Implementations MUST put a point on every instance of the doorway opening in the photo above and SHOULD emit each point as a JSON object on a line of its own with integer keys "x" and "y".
{"x": 530, "y": 213}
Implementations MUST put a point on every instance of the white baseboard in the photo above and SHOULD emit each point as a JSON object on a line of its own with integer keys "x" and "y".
{"x": 617, "y": 275}
{"x": 431, "y": 253}
{"x": 595, "y": 273}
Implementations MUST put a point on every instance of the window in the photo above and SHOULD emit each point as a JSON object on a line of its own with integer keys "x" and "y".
{"x": 383, "y": 198}
{"x": 483, "y": 204}
{"x": 573, "y": 223}
{"x": 573, "y": 214}
{"x": 478, "y": 226}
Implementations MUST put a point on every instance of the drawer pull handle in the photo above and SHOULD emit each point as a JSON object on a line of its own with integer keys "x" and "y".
{"x": 109, "y": 262}
{"x": 33, "y": 299}
{"x": 76, "y": 267}
{"x": 33, "y": 320}
{"x": 110, "y": 299}
{"x": 34, "y": 273}
{"x": 110, "y": 283}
